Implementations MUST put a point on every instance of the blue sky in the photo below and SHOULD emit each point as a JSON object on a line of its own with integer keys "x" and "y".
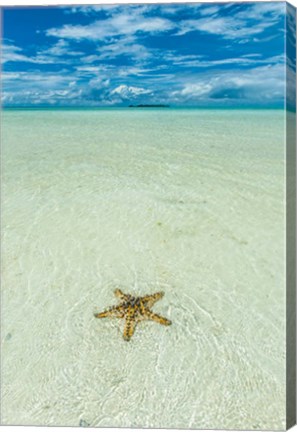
{"x": 203, "y": 54}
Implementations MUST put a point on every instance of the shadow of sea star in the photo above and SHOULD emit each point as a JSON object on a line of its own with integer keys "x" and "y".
{"x": 133, "y": 310}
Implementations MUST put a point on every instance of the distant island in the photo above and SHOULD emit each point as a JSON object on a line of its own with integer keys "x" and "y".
{"x": 149, "y": 106}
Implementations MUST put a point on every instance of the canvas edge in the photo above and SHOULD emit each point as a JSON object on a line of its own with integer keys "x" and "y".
{"x": 290, "y": 110}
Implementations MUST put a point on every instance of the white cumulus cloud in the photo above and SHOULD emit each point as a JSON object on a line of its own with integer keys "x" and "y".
{"x": 129, "y": 91}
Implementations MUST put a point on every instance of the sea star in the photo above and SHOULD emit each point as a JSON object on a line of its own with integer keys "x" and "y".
{"x": 134, "y": 309}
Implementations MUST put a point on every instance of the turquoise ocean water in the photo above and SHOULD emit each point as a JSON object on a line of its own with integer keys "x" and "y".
{"x": 187, "y": 201}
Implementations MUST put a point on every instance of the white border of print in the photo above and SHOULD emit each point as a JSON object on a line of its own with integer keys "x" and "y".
{"x": 79, "y": 2}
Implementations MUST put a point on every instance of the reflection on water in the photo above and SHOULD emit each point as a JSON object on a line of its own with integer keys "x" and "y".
{"x": 185, "y": 202}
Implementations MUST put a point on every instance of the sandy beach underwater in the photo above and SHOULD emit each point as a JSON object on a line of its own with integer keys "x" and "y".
{"x": 189, "y": 202}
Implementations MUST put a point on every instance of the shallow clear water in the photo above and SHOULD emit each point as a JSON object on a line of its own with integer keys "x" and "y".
{"x": 190, "y": 202}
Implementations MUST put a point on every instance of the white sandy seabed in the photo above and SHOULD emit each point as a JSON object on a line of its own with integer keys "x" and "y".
{"x": 189, "y": 202}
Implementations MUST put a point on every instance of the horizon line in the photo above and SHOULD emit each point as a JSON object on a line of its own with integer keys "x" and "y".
{"x": 142, "y": 108}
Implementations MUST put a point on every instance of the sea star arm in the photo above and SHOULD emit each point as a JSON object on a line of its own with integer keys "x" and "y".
{"x": 150, "y": 300}
{"x": 113, "y": 312}
{"x": 157, "y": 318}
{"x": 118, "y": 293}
{"x": 129, "y": 328}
